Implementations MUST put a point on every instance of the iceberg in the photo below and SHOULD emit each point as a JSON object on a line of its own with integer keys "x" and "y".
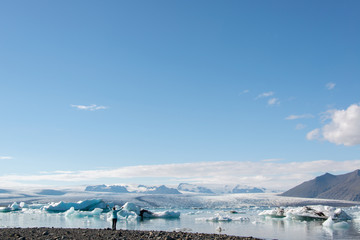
{"x": 79, "y": 214}
{"x": 87, "y": 205}
{"x": 329, "y": 223}
{"x": 274, "y": 213}
{"x": 129, "y": 209}
{"x": 24, "y": 205}
{"x": 217, "y": 218}
{"x": 5, "y": 209}
{"x": 15, "y": 206}
{"x": 165, "y": 214}
{"x": 317, "y": 212}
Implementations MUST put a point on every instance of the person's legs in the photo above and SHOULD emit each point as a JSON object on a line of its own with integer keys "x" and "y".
{"x": 114, "y": 223}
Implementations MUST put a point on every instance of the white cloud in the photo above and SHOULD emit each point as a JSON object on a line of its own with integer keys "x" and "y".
{"x": 273, "y": 101}
{"x": 313, "y": 135}
{"x": 5, "y": 158}
{"x": 300, "y": 126}
{"x": 92, "y": 107}
{"x": 270, "y": 174}
{"x": 330, "y": 85}
{"x": 294, "y": 117}
{"x": 272, "y": 160}
{"x": 244, "y": 92}
{"x": 265, "y": 94}
{"x": 343, "y": 128}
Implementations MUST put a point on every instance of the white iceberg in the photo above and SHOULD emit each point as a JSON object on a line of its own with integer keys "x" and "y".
{"x": 24, "y": 205}
{"x": 87, "y": 205}
{"x": 79, "y": 214}
{"x": 343, "y": 225}
{"x": 5, "y": 209}
{"x": 129, "y": 209}
{"x": 319, "y": 212}
{"x": 15, "y": 206}
{"x": 274, "y": 213}
{"x": 165, "y": 214}
{"x": 329, "y": 223}
{"x": 217, "y": 218}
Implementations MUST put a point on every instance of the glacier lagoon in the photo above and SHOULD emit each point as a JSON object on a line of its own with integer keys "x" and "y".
{"x": 229, "y": 214}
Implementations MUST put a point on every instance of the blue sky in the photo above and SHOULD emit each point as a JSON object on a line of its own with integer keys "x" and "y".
{"x": 89, "y": 87}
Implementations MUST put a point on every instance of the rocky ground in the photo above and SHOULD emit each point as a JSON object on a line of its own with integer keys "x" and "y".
{"x": 97, "y": 234}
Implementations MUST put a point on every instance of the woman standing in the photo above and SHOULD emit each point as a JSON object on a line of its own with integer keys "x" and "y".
{"x": 114, "y": 218}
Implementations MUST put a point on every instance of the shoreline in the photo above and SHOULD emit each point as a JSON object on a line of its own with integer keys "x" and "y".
{"x": 98, "y": 234}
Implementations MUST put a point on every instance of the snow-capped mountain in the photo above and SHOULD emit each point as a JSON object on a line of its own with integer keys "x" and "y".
{"x": 186, "y": 187}
{"x": 247, "y": 189}
{"x": 106, "y": 188}
{"x": 181, "y": 188}
{"x": 218, "y": 188}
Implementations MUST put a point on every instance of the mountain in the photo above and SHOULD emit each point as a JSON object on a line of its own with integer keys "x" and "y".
{"x": 4, "y": 191}
{"x": 182, "y": 188}
{"x": 132, "y": 189}
{"x": 186, "y": 187}
{"x": 50, "y": 192}
{"x": 161, "y": 190}
{"x": 218, "y": 188}
{"x": 105, "y": 188}
{"x": 242, "y": 189}
{"x": 328, "y": 186}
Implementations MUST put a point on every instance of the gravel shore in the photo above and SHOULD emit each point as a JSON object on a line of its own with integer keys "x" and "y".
{"x": 97, "y": 234}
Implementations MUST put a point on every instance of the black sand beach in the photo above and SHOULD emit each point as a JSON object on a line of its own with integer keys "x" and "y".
{"x": 97, "y": 234}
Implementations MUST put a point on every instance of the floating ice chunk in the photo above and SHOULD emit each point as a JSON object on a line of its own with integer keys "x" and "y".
{"x": 24, "y": 205}
{"x": 342, "y": 224}
{"x": 341, "y": 215}
{"x": 165, "y": 214}
{"x": 329, "y": 223}
{"x": 309, "y": 213}
{"x": 257, "y": 222}
{"x": 131, "y": 207}
{"x": 15, "y": 206}
{"x": 79, "y": 214}
{"x": 274, "y": 213}
{"x": 217, "y": 218}
{"x": 126, "y": 214}
{"x": 242, "y": 219}
{"x": 5, "y": 209}
{"x": 87, "y": 205}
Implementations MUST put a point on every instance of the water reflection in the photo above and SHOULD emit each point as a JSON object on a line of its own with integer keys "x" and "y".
{"x": 247, "y": 223}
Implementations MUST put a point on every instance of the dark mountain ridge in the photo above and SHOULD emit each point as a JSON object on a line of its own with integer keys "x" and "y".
{"x": 328, "y": 186}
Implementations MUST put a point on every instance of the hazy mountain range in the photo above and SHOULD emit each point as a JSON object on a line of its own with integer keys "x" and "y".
{"x": 181, "y": 188}
{"x": 328, "y": 186}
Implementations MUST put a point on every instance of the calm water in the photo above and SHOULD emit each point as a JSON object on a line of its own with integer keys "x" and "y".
{"x": 245, "y": 223}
